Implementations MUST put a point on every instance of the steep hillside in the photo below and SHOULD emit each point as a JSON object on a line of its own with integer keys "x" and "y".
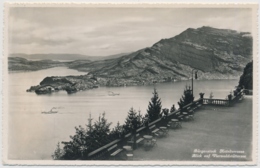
{"x": 216, "y": 53}
{"x": 207, "y": 49}
{"x": 100, "y": 64}
{"x": 246, "y": 78}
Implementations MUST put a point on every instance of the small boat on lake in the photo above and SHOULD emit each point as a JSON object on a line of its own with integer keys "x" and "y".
{"x": 113, "y": 94}
{"x": 50, "y": 112}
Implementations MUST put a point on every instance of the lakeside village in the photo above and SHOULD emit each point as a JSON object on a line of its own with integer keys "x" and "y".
{"x": 98, "y": 142}
{"x": 73, "y": 84}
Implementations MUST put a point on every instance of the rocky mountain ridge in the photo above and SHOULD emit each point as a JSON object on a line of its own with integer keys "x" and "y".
{"x": 215, "y": 53}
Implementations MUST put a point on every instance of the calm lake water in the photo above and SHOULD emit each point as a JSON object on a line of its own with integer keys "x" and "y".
{"x": 33, "y": 135}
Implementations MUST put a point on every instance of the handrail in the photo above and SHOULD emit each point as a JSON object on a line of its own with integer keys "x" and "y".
{"x": 224, "y": 102}
{"x": 158, "y": 120}
{"x": 103, "y": 147}
{"x": 154, "y": 122}
{"x": 248, "y": 91}
{"x": 127, "y": 135}
{"x": 174, "y": 112}
{"x": 139, "y": 130}
{"x": 215, "y": 99}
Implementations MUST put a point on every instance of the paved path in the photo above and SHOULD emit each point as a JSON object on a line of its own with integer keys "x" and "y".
{"x": 228, "y": 128}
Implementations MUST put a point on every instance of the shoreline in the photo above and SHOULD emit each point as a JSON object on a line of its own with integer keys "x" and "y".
{"x": 75, "y": 83}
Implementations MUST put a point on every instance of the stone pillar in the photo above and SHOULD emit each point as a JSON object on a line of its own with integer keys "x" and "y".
{"x": 202, "y": 95}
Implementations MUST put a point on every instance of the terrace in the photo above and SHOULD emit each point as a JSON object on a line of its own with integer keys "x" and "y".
{"x": 217, "y": 124}
{"x": 213, "y": 128}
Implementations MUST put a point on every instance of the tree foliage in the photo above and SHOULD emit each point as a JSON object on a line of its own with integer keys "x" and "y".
{"x": 58, "y": 153}
{"x": 132, "y": 115}
{"x": 154, "y": 107}
{"x": 246, "y": 79}
{"x": 94, "y": 136}
{"x": 98, "y": 134}
{"x": 118, "y": 131}
{"x": 172, "y": 109}
{"x": 85, "y": 140}
{"x": 187, "y": 98}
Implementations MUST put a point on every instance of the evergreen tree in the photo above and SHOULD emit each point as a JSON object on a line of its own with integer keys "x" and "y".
{"x": 117, "y": 131}
{"x": 132, "y": 115}
{"x": 154, "y": 107}
{"x": 86, "y": 140}
{"x": 89, "y": 126}
{"x": 101, "y": 130}
{"x": 139, "y": 119}
{"x": 73, "y": 148}
{"x": 187, "y": 98}
{"x": 58, "y": 153}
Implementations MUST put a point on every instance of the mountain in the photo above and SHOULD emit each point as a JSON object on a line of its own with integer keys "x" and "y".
{"x": 22, "y": 64}
{"x": 62, "y": 57}
{"x": 215, "y": 53}
{"x": 100, "y": 64}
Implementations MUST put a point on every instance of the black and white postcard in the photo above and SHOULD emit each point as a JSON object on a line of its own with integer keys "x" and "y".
{"x": 130, "y": 84}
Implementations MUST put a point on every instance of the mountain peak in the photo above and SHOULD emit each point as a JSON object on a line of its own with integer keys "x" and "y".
{"x": 207, "y": 28}
{"x": 217, "y": 30}
{"x": 216, "y": 53}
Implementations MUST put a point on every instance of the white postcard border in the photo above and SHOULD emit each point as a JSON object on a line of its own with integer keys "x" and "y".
{"x": 165, "y": 5}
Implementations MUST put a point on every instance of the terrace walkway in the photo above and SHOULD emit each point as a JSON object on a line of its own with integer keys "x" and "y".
{"x": 228, "y": 128}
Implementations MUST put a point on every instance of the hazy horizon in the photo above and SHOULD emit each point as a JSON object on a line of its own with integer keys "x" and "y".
{"x": 70, "y": 54}
{"x": 104, "y": 32}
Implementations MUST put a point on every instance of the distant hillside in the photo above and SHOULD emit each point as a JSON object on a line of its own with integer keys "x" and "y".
{"x": 216, "y": 53}
{"x": 100, "y": 64}
{"x": 62, "y": 57}
{"x": 22, "y": 64}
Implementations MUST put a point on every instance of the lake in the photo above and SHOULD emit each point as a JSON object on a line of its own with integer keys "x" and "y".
{"x": 33, "y": 135}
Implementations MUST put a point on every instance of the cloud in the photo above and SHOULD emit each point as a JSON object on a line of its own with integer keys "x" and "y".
{"x": 105, "y": 31}
{"x": 25, "y": 32}
{"x": 22, "y": 38}
{"x": 18, "y": 25}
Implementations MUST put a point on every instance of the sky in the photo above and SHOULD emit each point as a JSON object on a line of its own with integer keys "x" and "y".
{"x": 108, "y": 31}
